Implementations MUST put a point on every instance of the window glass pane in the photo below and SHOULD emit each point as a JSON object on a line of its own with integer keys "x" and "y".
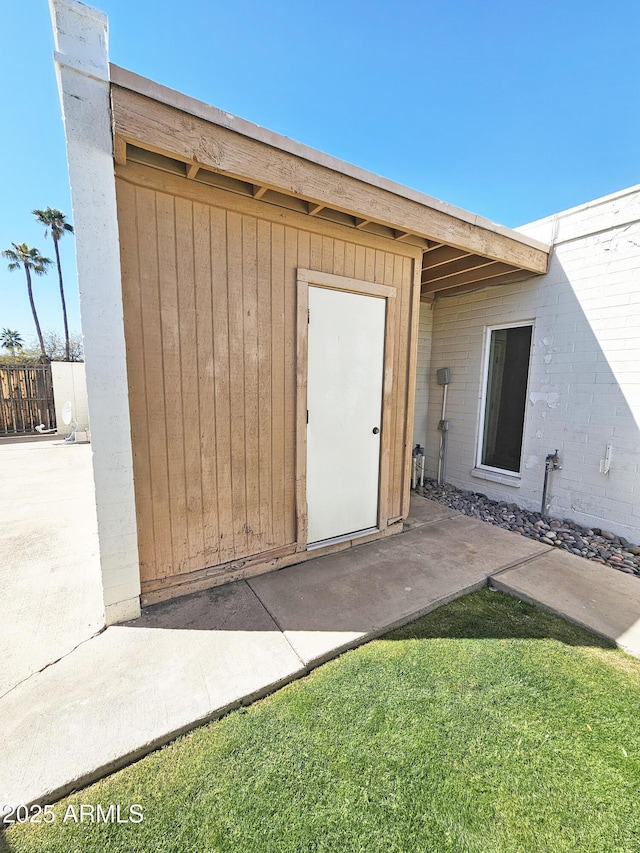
{"x": 506, "y": 397}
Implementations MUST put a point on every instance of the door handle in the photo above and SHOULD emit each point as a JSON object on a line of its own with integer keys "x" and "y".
{"x": 376, "y": 430}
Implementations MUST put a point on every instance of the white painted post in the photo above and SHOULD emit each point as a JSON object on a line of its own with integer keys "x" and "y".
{"x": 82, "y": 69}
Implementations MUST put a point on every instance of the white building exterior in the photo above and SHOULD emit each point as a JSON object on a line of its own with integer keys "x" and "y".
{"x": 70, "y": 384}
{"x": 583, "y": 389}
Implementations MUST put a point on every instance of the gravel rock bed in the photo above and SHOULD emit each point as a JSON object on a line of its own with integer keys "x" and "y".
{"x": 600, "y": 546}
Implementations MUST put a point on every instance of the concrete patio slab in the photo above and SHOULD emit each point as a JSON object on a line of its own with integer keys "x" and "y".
{"x": 423, "y": 511}
{"x": 604, "y": 601}
{"x": 336, "y": 602}
{"x": 49, "y": 568}
{"x": 135, "y": 687}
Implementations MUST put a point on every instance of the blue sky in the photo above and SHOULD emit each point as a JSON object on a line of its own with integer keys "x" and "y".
{"x": 512, "y": 110}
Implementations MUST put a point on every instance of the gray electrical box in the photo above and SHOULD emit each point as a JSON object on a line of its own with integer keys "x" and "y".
{"x": 444, "y": 375}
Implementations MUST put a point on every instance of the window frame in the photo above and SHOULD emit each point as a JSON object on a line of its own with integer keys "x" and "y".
{"x": 484, "y": 386}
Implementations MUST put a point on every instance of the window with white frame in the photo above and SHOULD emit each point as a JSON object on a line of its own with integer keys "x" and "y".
{"x": 505, "y": 395}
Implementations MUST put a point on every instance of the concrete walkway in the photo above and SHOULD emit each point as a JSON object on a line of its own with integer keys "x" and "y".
{"x": 121, "y": 694}
{"x": 49, "y": 565}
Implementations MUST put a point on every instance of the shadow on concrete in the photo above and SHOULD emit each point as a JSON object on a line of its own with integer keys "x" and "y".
{"x": 338, "y": 601}
{"x": 25, "y": 439}
{"x": 358, "y": 592}
{"x": 232, "y": 607}
{"x": 486, "y": 615}
{"x": 493, "y": 615}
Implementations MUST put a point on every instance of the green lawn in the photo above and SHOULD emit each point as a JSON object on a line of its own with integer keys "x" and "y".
{"x": 486, "y": 726}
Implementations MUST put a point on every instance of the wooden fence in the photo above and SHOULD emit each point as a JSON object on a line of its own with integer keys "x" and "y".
{"x": 26, "y": 399}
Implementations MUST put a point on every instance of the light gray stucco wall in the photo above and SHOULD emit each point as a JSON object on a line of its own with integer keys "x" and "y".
{"x": 70, "y": 384}
{"x": 423, "y": 373}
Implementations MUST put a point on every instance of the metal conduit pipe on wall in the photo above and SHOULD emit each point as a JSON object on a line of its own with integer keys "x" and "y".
{"x": 552, "y": 463}
{"x": 444, "y": 378}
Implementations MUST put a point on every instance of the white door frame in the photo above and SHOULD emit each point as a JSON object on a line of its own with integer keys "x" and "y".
{"x": 307, "y": 278}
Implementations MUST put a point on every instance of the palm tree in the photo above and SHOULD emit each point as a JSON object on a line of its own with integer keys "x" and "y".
{"x": 55, "y": 221}
{"x": 11, "y": 340}
{"x": 31, "y": 261}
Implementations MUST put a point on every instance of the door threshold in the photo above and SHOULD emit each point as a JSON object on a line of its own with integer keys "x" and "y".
{"x": 346, "y": 537}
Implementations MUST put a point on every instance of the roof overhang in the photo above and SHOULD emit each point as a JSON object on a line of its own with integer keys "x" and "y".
{"x": 167, "y": 130}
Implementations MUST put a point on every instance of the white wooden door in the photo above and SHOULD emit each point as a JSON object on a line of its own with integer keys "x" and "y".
{"x": 344, "y": 401}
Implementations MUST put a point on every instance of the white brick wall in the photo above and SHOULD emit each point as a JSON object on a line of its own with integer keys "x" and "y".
{"x": 584, "y": 385}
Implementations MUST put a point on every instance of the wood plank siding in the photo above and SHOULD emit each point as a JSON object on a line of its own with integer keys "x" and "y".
{"x": 210, "y": 309}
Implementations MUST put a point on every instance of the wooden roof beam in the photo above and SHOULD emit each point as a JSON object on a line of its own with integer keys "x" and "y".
{"x": 472, "y": 287}
{"x": 464, "y": 264}
{"x": 314, "y": 209}
{"x": 442, "y": 255}
{"x": 120, "y": 150}
{"x": 492, "y": 270}
{"x": 154, "y": 120}
{"x": 259, "y": 191}
{"x": 192, "y": 170}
